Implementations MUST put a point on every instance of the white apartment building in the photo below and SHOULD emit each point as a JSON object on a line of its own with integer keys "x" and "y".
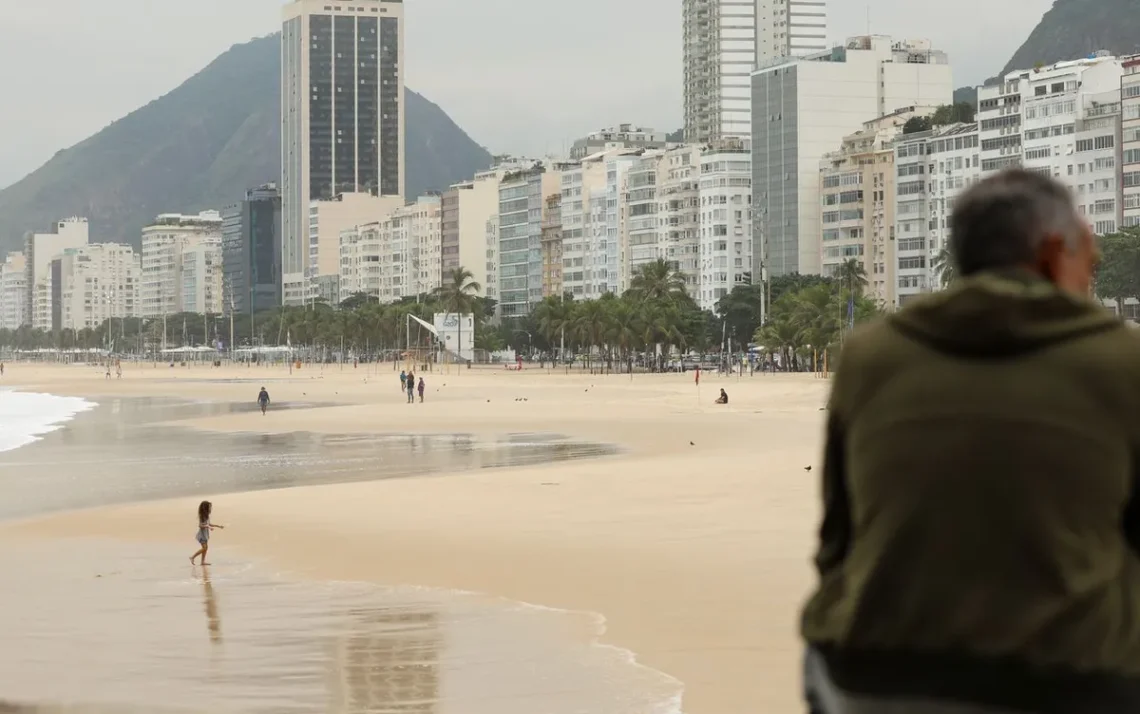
{"x": 801, "y": 109}
{"x": 203, "y": 276}
{"x": 719, "y": 53}
{"x": 1032, "y": 116}
{"x": 178, "y": 250}
{"x": 395, "y": 257}
{"x": 912, "y": 216}
{"x": 1130, "y": 141}
{"x": 1097, "y": 159}
{"x": 100, "y": 282}
{"x": 342, "y": 117}
{"x": 724, "y": 252}
{"x": 591, "y": 219}
{"x": 40, "y": 249}
{"x": 932, "y": 169}
{"x": 13, "y": 292}
{"x": 790, "y": 28}
{"x": 954, "y": 156}
{"x": 639, "y": 234}
{"x": 327, "y": 220}
{"x": 582, "y": 187}
{"x": 679, "y": 212}
{"x": 623, "y": 136}
{"x": 522, "y": 205}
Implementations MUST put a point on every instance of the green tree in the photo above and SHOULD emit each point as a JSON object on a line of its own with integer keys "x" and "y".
{"x": 943, "y": 266}
{"x": 658, "y": 281}
{"x": 915, "y": 125}
{"x": 851, "y": 275}
{"x": 1118, "y": 277}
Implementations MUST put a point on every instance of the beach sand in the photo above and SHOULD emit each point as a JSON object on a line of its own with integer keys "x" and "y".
{"x": 693, "y": 542}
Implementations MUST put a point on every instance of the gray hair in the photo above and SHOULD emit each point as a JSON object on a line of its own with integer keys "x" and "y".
{"x": 1002, "y": 221}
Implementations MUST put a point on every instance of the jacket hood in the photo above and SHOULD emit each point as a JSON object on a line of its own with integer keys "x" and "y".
{"x": 1001, "y": 315}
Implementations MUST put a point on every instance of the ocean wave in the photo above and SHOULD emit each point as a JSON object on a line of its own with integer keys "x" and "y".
{"x": 27, "y": 416}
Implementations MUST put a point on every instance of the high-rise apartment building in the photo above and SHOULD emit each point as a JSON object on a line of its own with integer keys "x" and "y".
{"x": 790, "y": 28}
{"x": 40, "y": 249}
{"x": 1130, "y": 141}
{"x": 342, "y": 115}
{"x": 251, "y": 252}
{"x": 182, "y": 267}
{"x": 639, "y": 235}
{"x": 13, "y": 292}
{"x": 719, "y": 54}
{"x": 98, "y": 282}
{"x": 678, "y": 213}
{"x": 803, "y": 107}
{"x": 725, "y": 247}
{"x": 522, "y": 195}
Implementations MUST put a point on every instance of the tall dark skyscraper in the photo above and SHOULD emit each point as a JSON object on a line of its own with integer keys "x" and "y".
{"x": 251, "y": 252}
{"x": 342, "y": 115}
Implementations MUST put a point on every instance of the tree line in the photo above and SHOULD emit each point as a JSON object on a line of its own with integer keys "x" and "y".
{"x": 652, "y": 321}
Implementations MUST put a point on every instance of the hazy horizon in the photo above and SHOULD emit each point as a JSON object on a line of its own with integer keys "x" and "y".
{"x": 518, "y": 76}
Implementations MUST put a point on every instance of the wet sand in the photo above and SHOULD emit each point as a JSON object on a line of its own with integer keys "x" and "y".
{"x": 693, "y": 541}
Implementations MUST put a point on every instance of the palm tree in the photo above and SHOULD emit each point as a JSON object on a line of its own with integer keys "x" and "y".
{"x": 553, "y": 315}
{"x": 623, "y": 324}
{"x": 852, "y": 275}
{"x": 459, "y": 296}
{"x": 589, "y": 326}
{"x": 943, "y": 265}
{"x": 657, "y": 281}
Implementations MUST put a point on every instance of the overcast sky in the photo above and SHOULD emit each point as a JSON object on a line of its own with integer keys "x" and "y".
{"x": 520, "y": 76}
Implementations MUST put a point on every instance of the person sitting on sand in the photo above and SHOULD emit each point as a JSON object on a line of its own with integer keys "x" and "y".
{"x": 979, "y": 541}
{"x": 723, "y": 398}
{"x": 205, "y": 508}
{"x": 263, "y": 400}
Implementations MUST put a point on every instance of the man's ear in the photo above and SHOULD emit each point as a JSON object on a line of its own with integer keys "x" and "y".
{"x": 1049, "y": 256}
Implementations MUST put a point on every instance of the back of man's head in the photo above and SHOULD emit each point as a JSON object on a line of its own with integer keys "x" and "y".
{"x": 1009, "y": 219}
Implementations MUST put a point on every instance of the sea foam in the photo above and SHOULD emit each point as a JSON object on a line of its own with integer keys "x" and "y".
{"x": 26, "y": 416}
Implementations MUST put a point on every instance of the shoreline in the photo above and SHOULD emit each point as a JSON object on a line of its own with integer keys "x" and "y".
{"x": 692, "y": 543}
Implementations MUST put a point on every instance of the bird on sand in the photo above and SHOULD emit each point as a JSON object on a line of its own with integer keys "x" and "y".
{"x": 807, "y": 468}
{"x": 691, "y": 444}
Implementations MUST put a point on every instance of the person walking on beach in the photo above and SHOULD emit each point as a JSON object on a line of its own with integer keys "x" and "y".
{"x": 421, "y": 388}
{"x": 403, "y": 381}
{"x": 205, "y": 508}
{"x": 979, "y": 550}
{"x": 263, "y": 400}
{"x": 411, "y": 387}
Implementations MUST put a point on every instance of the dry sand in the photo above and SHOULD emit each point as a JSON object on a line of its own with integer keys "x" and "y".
{"x": 694, "y": 543}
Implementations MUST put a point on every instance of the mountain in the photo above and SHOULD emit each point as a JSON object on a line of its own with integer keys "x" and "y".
{"x": 201, "y": 146}
{"x": 1075, "y": 28}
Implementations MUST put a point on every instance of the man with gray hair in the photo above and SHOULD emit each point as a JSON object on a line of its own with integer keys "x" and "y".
{"x": 980, "y": 543}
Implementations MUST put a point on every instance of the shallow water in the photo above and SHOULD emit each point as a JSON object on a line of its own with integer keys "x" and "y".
{"x": 119, "y": 452}
{"x": 126, "y": 628}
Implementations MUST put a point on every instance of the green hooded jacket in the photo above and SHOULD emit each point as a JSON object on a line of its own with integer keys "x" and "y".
{"x": 981, "y": 531}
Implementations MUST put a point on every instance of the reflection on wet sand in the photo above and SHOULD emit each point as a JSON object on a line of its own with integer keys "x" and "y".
{"x": 213, "y": 621}
{"x": 117, "y": 453}
{"x": 388, "y": 663}
{"x": 129, "y": 640}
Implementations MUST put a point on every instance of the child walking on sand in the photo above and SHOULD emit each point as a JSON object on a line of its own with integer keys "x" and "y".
{"x": 204, "y": 528}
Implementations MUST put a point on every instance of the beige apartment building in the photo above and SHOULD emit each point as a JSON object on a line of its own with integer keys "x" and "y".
{"x": 327, "y": 220}
{"x": 552, "y": 246}
{"x": 857, "y": 207}
{"x": 99, "y": 282}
